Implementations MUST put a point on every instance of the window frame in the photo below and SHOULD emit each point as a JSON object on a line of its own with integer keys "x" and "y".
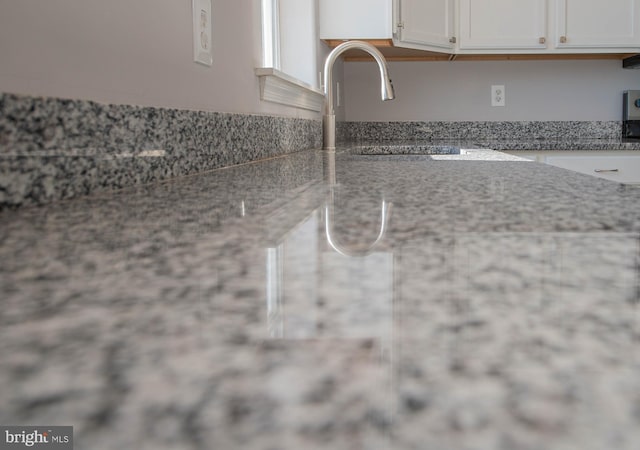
{"x": 275, "y": 85}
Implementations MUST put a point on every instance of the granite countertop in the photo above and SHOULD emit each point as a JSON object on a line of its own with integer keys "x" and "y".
{"x": 471, "y": 301}
{"x": 518, "y": 143}
{"x": 560, "y": 144}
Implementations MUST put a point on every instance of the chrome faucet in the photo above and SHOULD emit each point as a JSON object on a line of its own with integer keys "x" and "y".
{"x": 329, "y": 119}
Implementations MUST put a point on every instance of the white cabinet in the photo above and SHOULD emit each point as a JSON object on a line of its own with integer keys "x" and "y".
{"x": 488, "y": 26}
{"x": 429, "y": 24}
{"x": 623, "y": 169}
{"x": 503, "y": 24}
{"x": 417, "y": 24}
{"x": 549, "y": 26}
{"x": 622, "y": 166}
{"x": 355, "y": 19}
{"x": 597, "y": 23}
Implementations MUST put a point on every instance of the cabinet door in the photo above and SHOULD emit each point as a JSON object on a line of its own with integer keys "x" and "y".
{"x": 355, "y": 19}
{"x": 426, "y": 23}
{"x": 597, "y": 23}
{"x": 623, "y": 169}
{"x": 622, "y": 166}
{"x": 503, "y": 24}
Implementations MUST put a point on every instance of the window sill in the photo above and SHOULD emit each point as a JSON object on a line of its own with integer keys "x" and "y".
{"x": 278, "y": 87}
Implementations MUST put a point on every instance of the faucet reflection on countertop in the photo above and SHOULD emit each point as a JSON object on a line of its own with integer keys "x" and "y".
{"x": 329, "y": 167}
{"x": 330, "y": 251}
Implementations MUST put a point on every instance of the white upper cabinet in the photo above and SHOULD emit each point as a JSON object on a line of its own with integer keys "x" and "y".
{"x": 418, "y": 24}
{"x": 425, "y": 24}
{"x": 597, "y": 23}
{"x": 503, "y": 24}
{"x": 355, "y": 19}
{"x": 488, "y": 26}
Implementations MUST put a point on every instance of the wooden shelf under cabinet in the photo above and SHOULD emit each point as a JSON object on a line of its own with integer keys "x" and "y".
{"x": 393, "y": 53}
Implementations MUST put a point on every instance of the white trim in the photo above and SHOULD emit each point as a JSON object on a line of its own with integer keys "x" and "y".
{"x": 270, "y": 33}
{"x": 278, "y": 87}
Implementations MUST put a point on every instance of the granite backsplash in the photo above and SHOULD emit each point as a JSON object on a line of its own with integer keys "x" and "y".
{"x": 479, "y": 130}
{"x": 53, "y": 149}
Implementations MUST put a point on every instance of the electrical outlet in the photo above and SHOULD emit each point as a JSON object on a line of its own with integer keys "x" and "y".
{"x": 498, "y": 95}
{"x": 202, "y": 32}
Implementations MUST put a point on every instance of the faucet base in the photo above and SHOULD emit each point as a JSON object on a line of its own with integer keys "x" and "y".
{"x": 329, "y": 132}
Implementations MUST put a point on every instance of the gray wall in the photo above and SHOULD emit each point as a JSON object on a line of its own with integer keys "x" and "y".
{"x": 133, "y": 52}
{"x": 459, "y": 90}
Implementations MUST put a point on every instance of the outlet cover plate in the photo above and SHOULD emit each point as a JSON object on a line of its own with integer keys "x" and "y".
{"x": 202, "y": 40}
{"x": 498, "y": 95}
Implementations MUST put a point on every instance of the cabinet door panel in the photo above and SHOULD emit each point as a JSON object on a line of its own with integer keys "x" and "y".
{"x": 355, "y": 19}
{"x": 596, "y": 23}
{"x": 426, "y": 23}
{"x": 503, "y": 24}
{"x": 623, "y": 169}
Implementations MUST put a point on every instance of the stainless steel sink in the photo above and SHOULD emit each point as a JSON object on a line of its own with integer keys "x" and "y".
{"x": 406, "y": 149}
{"x": 416, "y": 151}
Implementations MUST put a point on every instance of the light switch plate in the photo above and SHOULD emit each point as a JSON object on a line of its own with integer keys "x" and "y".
{"x": 202, "y": 41}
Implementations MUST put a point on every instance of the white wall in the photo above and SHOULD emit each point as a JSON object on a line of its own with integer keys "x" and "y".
{"x": 133, "y": 52}
{"x": 298, "y": 40}
{"x": 140, "y": 52}
{"x": 459, "y": 90}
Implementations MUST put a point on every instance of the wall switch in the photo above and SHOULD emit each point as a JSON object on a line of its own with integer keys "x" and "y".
{"x": 202, "y": 32}
{"x": 498, "y": 95}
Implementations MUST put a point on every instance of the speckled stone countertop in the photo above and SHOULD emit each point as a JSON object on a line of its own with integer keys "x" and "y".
{"x": 560, "y": 144}
{"x": 319, "y": 302}
{"x": 525, "y": 144}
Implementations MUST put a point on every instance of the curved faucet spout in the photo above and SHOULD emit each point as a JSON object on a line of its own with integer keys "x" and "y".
{"x": 386, "y": 89}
